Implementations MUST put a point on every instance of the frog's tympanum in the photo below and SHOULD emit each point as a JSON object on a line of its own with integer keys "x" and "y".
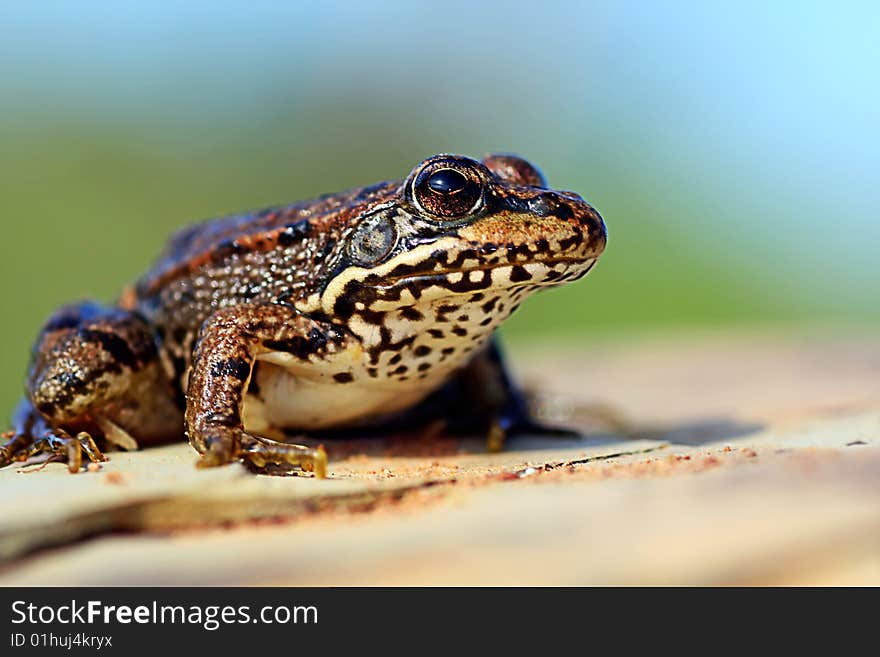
{"x": 350, "y": 310}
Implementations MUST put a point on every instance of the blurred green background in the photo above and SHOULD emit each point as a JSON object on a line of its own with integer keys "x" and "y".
{"x": 732, "y": 151}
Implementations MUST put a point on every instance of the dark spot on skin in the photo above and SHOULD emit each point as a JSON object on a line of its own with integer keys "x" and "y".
{"x": 424, "y": 367}
{"x": 116, "y": 346}
{"x": 325, "y": 250}
{"x": 489, "y": 305}
{"x": 297, "y": 346}
{"x": 464, "y": 255}
{"x": 69, "y": 380}
{"x": 448, "y": 351}
{"x": 294, "y": 233}
{"x": 477, "y": 297}
{"x": 373, "y": 372}
{"x": 401, "y": 370}
{"x": 220, "y": 418}
{"x": 384, "y": 336}
{"x": 226, "y": 248}
{"x": 237, "y": 368}
{"x": 564, "y": 211}
{"x": 486, "y": 321}
{"x": 571, "y": 242}
{"x": 442, "y": 311}
{"x": 421, "y": 351}
{"x": 519, "y": 274}
{"x": 317, "y": 338}
{"x": 514, "y": 250}
{"x": 411, "y": 314}
{"x": 403, "y": 378}
{"x": 343, "y": 377}
{"x": 395, "y": 359}
{"x": 459, "y": 331}
{"x": 435, "y": 333}
{"x": 251, "y": 291}
{"x": 303, "y": 346}
{"x": 285, "y": 297}
{"x": 463, "y": 318}
{"x": 542, "y": 245}
{"x": 423, "y": 376}
{"x": 46, "y": 408}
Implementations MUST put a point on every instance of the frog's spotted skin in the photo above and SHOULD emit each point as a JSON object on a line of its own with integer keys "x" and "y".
{"x": 342, "y": 311}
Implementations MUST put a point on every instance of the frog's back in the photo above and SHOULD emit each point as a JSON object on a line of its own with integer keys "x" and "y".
{"x": 310, "y": 223}
{"x": 270, "y": 256}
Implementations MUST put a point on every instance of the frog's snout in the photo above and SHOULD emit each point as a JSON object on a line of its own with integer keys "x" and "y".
{"x": 568, "y": 206}
{"x": 564, "y": 219}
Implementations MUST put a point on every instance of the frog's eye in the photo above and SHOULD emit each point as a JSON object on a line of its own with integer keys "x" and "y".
{"x": 447, "y": 181}
{"x": 372, "y": 240}
{"x": 447, "y": 191}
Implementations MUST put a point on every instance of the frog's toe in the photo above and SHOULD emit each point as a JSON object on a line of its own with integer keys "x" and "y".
{"x": 263, "y": 451}
{"x": 495, "y": 437}
{"x": 83, "y": 443}
{"x": 57, "y": 444}
{"x": 15, "y": 448}
{"x": 62, "y": 446}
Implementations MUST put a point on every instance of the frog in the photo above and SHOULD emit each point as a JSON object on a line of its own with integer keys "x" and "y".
{"x": 254, "y": 333}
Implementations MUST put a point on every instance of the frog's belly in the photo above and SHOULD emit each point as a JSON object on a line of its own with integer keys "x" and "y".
{"x": 287, "y": 400}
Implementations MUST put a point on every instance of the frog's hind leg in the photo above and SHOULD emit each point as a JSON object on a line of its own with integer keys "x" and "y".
{"x": 92, "y": 366}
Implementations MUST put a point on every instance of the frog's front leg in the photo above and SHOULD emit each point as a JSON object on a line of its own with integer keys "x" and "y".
{"x": 500, "y": 404}
{"x": 228, "y": 344}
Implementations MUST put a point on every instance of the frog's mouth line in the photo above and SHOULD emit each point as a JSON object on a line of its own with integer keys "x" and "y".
{"x": 443, "y": 276}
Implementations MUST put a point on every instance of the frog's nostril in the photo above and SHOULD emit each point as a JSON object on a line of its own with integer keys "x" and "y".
{"x": 544, "y": 204}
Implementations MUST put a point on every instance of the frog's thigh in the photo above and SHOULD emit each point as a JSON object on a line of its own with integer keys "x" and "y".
{"x": 93, "y": 367}
{"x": 86, "y": 357}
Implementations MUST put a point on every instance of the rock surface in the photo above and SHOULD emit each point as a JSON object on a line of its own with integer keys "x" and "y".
{"x": 713, "y": 460}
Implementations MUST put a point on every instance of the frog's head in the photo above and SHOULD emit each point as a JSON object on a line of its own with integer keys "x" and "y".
{"x": 457, "y": 227}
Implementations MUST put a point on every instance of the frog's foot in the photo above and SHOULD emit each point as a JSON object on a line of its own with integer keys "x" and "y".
{"x": 57, "y": 444}
{"x": 263, "y": 451}
{"x": 15, "y": 448}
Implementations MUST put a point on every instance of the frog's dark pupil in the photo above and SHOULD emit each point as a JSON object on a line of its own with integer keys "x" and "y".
{"x": 447, "y": 181}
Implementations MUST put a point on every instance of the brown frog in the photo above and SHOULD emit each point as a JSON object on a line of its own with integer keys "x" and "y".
{"x": 354, "y": 309}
